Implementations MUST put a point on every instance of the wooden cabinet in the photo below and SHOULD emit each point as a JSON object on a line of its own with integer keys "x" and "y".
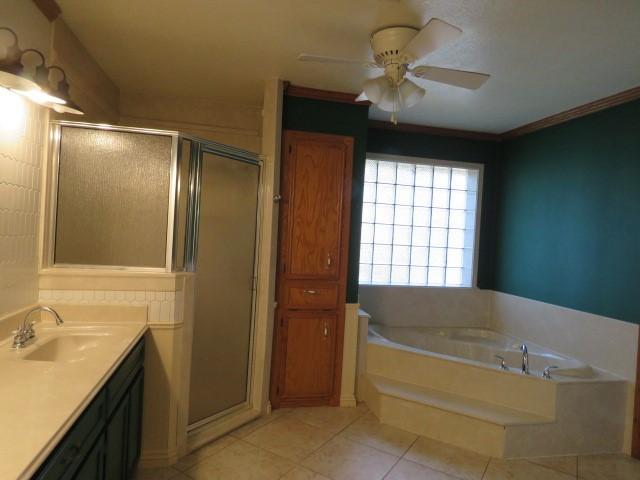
{"x": 312, "y": 268}
{"x": 104, "y": 443}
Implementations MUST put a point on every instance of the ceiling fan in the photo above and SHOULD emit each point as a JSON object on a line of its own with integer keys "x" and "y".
{"x": 397, "y": 50}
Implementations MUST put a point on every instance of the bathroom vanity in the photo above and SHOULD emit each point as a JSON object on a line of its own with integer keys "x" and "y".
{"x": 104, "y": 443}
{"x": 72, "y": 402}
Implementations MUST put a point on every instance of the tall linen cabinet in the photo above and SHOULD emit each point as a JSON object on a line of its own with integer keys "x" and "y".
{"x": 312, "y": 268}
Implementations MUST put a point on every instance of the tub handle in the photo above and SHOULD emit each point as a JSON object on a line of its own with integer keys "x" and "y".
{"x": 546, "y": 373}
{"x": 503, "y": 365}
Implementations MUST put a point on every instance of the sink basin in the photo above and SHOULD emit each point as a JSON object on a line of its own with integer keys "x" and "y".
{"x": 65, "y": 348}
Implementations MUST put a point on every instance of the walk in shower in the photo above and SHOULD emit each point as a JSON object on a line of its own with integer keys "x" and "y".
{"x": 145, "y": 200}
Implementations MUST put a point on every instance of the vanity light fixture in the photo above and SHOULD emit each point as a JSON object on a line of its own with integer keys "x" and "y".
{"x": 11, "y": 69}
{"x": 37, "y": 89}
{"x": 44, "y": 95}
{"x": 62, "y": 91}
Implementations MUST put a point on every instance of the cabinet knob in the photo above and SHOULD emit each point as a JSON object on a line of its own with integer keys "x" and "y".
{"x": 310, "y": 292}
{"x": 328, "y": 260}
{"x": 326, "y": 330}
{"x": 276, "y": 198}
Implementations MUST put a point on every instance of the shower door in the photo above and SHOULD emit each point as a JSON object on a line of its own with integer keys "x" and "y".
{"x": 224, "y": 286}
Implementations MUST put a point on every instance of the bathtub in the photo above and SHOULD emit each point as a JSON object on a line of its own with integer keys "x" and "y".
{"x": 479, "y": 346}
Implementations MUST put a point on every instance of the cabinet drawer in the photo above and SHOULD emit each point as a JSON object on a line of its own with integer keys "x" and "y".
{"x": 72, "y": 449}
{"x": 118, "y": 384}
{"x": 310, "y": 296}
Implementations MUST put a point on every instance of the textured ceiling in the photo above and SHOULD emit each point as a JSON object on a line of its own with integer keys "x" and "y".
{"x": 545, "y": 56}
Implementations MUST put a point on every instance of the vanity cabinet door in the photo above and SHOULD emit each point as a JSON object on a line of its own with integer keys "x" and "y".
{"x": 116, "y": 441}
{"x": 134, "y": 432}
{"x": 94, "y": 463}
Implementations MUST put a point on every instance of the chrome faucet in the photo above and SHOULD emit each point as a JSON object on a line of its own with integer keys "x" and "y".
{"x": 525, "y": 359}
{"x": 26, "y": 331}
{"x": 546, "y": 373}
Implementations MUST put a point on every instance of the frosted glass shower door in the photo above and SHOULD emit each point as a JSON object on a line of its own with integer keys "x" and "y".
{"x": 224, "y": 283}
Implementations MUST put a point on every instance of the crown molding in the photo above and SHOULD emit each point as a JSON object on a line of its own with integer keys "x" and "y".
{"x": 49, "y": 8}
{"x": 443, "y": 132}
{"x": 577, "y": 112}
{"x": 328, "y": 95}
{"x": 558, "y": 118}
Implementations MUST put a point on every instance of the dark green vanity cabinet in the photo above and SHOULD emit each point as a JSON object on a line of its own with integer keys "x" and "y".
{"x": 104, "y": 443}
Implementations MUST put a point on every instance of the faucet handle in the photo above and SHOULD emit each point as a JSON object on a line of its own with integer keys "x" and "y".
{"x": 546, "y": 373}
{"x": 503, "y": 365}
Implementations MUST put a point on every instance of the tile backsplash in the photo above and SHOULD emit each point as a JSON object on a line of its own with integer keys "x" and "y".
{"x": 22, "y": 134}
{"x": 162, "y": 306}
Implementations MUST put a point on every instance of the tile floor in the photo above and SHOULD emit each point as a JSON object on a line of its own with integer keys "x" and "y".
{"x": 325, "y": 443}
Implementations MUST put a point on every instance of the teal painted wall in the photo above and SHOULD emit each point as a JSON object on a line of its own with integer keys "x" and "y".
{"x": 454, "y": 149}
{"x": 569, "y": 217}
{"x": 339, "y": 119}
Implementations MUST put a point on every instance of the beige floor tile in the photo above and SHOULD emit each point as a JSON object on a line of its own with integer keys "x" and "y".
{"x": 241, "y": 461}
{"x": 301, "y": 473}
{"x": 407, "y": 470}
{"x": 448, "y": 459}
{"x": 521, "y": 470}
{"x": 247, "y": 428}
{"x": 333, "y": 419}
{"x": 164, "y": 473}
{"x": 203, "y": 452}
{"x": 341, "y": 459}
{"x": 369, "y": 431}
{"x": 289, "y": 438}
{"x": 608, "y": 467}
{"x": 561, "y": 464}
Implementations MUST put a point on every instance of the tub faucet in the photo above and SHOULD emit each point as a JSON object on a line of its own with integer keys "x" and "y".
{"x": 525, "y": 359}
{"x": 26, "y": 331}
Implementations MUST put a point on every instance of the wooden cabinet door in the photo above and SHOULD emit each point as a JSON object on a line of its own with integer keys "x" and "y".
{"x": 134, "y": 427}
{"x": 116, "y": 447}
{"x": 94, "y": 463}
{"x": 313, "y": 198}
{"x": 309, "y": 343}
{"x": 312, "y": 268}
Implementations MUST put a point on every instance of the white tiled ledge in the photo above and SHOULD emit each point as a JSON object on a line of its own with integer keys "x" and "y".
{"x": 103, "y": 279}
{"x": 163, "y": 306}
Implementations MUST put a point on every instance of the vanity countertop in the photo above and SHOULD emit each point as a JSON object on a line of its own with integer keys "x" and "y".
{"x": 42, "y": 394}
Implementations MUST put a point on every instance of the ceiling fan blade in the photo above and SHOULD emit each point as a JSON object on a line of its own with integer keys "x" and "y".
{"x": 433, "y": 35}
{"x": 375, "y": 88}
{"x": 303, "y": 57}
{"x": 457, "y": 78}
{"x": 362, "y": 97}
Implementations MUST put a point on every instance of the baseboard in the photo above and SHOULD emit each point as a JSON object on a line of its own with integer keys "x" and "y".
{"x": 158, "y": 458}
{"x": 348, "y": 401}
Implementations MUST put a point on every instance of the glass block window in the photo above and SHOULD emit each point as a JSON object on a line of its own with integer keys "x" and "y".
{"x": 418, "y": 224}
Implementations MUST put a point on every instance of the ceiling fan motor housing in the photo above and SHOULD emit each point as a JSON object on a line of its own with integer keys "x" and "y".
{"x": 388, "y": 44}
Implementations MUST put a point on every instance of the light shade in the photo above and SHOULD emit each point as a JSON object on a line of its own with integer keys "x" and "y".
{"x": 62, "y": 92}
{"x": 375, "y": 88}
{"x": 410, "y": 93}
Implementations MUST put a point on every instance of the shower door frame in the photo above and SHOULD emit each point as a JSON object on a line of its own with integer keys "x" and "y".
{"x": 48, "y": 260}
{"x": 244, "y": 156}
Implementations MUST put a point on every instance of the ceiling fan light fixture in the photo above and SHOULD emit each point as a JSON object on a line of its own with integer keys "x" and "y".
{"x": 375, "y": 88}
{"x": 410, "y": 93}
